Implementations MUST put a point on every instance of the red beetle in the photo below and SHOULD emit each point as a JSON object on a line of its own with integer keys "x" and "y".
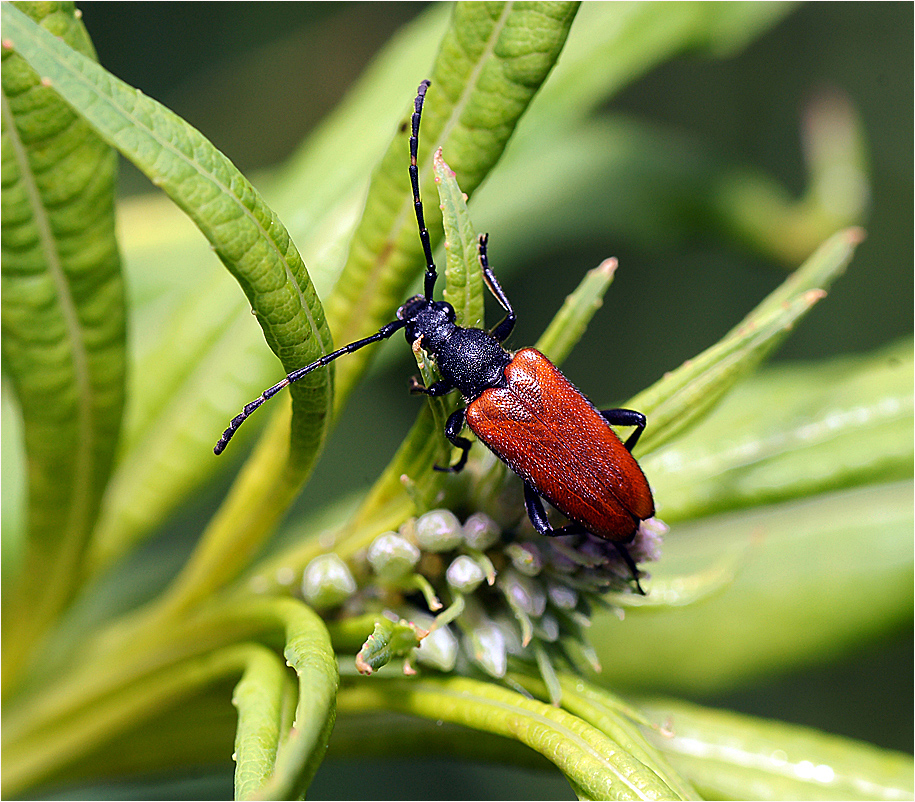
{"x": 520, "y": 406}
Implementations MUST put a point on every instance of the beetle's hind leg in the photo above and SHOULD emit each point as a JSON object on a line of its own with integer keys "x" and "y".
{"x": 630, "y": 564}
{"x": 537, "y": 513}
{"x": 626, "y": 417}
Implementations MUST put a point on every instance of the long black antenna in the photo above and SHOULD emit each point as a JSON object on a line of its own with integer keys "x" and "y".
{"x": 385, "y": 331}
{"x": 431, "y": 273}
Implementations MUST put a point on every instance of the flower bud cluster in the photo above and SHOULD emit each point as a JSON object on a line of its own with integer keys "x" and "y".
{"x": 497, "y": 593}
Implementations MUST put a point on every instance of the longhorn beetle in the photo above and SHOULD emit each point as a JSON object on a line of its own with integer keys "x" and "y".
{"x": 519, "y": 405}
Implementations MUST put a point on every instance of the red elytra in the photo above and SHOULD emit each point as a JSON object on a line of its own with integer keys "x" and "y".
{"x": 548, "y": 433}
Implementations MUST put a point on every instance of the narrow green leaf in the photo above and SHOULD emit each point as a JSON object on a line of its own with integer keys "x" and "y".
{"x": 684, "y": 396}
{"x": 258, "y": 698}
{"x": 792, "y": 431}
{"x": 385, "y": 507}
{"x": 796, "y": 598}
{"x": 309, "y": 652}
{"x": 64, "y": 323}
{"x": 590, "y": 760}
{"x": 463, "y": 286}
{"x": 569, "y": 323}
{"x": 245, "y": 234}
{"x": 730, "y": 756}
{"x": 616, "y": 719}
{"x": 463, "y": 275}
{"x": 388, "y": 640}
{"x": 492, "y": 60}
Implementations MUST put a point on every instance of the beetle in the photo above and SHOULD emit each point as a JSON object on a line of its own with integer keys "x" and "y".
{"x": 517, "y": 404}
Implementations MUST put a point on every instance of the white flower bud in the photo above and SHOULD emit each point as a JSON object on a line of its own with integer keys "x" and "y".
{"x": 392, "y": 557}
{"x": 464, "y": 574}
{"x": 481, "y": 532}
{"x": 439, "y": 530}
{"x": 327, "y": 581}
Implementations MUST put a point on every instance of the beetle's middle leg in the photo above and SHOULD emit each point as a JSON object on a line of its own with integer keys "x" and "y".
{"x": 537, "y": 513}
{"x": 453, "y": 433}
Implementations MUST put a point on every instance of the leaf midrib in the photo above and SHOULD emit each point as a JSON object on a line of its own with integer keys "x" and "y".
{"x": 78, "y": 508}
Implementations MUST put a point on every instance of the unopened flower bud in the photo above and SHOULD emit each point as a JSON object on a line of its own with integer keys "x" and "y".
{"x": 481, "y": 532}
{"x": 438, "y": 649}
{"x": 392, "y": 557}
{"x": 487, "y": 644}
{"x": 439, "y": 530}
{"x": 464, "y": 574}
{"x": 327, "y": 581}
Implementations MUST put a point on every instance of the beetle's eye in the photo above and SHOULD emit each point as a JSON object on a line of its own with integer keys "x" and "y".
{"x": 408, "y": 308}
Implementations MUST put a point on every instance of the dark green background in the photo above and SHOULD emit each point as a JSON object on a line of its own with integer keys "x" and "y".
{"x": 256, "y": 77}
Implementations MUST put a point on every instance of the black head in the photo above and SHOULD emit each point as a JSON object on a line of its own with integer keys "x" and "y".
{"x": 430, "y": 320}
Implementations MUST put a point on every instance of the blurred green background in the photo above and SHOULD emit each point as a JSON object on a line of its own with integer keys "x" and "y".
{"x": 257, "y": 77}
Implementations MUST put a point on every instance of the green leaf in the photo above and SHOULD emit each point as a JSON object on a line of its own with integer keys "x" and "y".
{"x": 796, "y": 598}
{"x": 792, "y": 431}
{"x": 245, "y": 234}
{"x": 309, "y": 652}
{"x": 685, "y": 395}
{"x": 569, "y": 323}
{"x": 463, "y": 273}
{"x": 388, "y": 640}
{"x": 616, "y": 719}
{"x": 786, "y": 442}
{"x": 63, "y": 325}
{"x": 590, "y": 760}
{"x": 491, "y": 62}
{"x": 259, "y": 699}
{"x": 729, "y": 756}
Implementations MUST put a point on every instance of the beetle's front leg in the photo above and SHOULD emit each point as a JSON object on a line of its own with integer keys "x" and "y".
{"x": 441, "y": 387}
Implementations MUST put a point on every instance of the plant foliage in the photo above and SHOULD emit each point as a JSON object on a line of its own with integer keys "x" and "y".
{"x": 113, "y": 666}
